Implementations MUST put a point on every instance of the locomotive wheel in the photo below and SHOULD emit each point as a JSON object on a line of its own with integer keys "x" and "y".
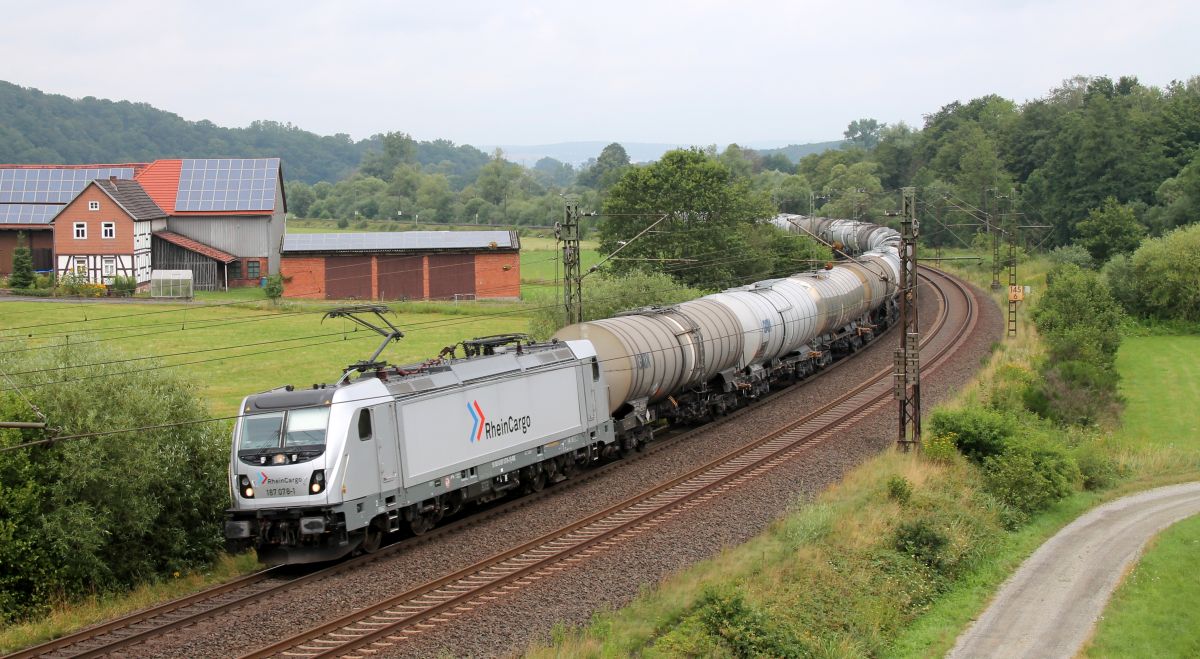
{"x": 372, "y": 539}
{"x": 569, "y": 468}
{"x": 538, "y": 482}
{"x": 420, "y": 525}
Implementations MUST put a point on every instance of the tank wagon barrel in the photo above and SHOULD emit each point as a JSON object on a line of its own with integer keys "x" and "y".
{"x": 318, "y": 473}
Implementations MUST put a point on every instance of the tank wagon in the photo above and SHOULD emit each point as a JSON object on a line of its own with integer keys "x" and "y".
{"x": 318, "y": 473}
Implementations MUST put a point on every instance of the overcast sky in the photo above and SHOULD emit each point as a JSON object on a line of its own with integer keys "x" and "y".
{"x": 541, "y": 72}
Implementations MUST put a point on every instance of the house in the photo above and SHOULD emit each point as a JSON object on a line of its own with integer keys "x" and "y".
{"x": 224, "y": 217}
{"x": 104, "y": 232}
{"x": 405, "y": 265}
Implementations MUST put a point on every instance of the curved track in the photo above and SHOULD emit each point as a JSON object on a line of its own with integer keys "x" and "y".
{"x": 375, "y": 628}
{"x": 436, "y": 602}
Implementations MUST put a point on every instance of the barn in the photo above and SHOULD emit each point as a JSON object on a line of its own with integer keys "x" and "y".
{"x": 406, "y": 265}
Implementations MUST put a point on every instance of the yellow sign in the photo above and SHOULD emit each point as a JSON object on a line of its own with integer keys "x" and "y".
{"x": 1016, "y": 293}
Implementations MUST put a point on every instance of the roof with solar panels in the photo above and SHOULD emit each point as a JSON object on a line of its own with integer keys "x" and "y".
{"x": 32, "y": 195}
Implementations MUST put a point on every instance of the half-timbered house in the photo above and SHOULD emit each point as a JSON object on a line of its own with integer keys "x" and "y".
{"x": 105, "y": 230}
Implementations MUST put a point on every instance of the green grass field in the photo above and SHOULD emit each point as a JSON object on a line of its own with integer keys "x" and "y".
{"x": 1156, "y": 611}
{"x": 1160, "y": 381}
{"x": 303, "y": 350}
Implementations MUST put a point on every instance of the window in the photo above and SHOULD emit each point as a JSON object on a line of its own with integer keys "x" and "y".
{"x": 306, "y": 427}
{"x": 364, "y": 425}
{"x": 235, "y": 270}
{"x": 110, "y": 267}
{"x": 108, "y": 229}
{"x": 251, "y": 269}
{"x": 81, "y": 268}
{"x": 93, "y": 205}
{"x": 80, "y": 230}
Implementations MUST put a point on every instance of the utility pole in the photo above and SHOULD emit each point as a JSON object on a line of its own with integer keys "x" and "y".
{"x": 567, "y": 234}
{"x": 907, "y": 375}
{"x": 994, "y": 227}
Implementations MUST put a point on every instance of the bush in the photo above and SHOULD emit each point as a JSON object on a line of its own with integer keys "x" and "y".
{"x": 1074, "y": 254}
{"x": 978, "y": 433}
{"x": 124, "y": 286}
{"x": 940, "y": 447}
{"x": 1099, "y": 472}
{"x": 748, "y": 632}
{"x": 899, "y": 489}
{"x": 102, "y": 514}
{"x": 44, "y": 281}
{"x": 1166, "y": 276}
{"x": 920, "y": 540}
{"x": 343, "y": 223}
{"x": 1030, "y": 475}
{"x": 274, "y": 287}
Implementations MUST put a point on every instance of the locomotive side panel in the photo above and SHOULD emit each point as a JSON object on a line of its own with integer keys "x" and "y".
{"x": 458, "y": 428}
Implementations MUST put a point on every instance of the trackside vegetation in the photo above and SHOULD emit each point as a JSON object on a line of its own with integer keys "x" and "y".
{"x": 87, "y": 517}
{"x": 898, "y": 558}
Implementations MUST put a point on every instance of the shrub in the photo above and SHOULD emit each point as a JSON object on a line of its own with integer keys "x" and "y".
{"x": 940, "y": 447}
{"x": 1078, "y": 318}
{"x": 274, "y": 287}
{"x": 919, "y": 539}
{"x": 1166, "y": 276}
{"x": 1098, "y": 471}
{"x": 1030, "y": 475}
{"x": 978, "y": 432}
{"x": 101, "y": 514}
{"x": 724, "y": 613}
{"x": 1073, "y": 254}
{"x": 124, "y": 286}
{"x": 44, "y": 281}
{"x": 899, "y": 489}
{"x": 343, "y": 223}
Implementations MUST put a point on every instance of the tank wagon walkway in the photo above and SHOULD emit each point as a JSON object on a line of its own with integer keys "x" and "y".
{"x": 1049, "y": 607}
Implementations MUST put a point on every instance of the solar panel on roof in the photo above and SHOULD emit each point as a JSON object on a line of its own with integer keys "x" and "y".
{"x": 227, "y": 184}
{"x": 28, "y": 213}
{"x": 394, "y": 241}
{"x": 51, "y": 186}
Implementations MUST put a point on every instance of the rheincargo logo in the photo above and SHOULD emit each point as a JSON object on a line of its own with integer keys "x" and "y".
{"x": 482, "y": 429}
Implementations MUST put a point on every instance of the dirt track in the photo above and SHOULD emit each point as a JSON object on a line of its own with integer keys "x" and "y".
{"x": 1049, "y": 607}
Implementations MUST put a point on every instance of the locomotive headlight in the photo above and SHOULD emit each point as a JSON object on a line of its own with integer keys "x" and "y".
{"x": 245, "y": 487}
{"x": 316, "y": 484}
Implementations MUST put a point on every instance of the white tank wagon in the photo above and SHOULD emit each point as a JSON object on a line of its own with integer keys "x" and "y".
{"x": 698, "y": 359}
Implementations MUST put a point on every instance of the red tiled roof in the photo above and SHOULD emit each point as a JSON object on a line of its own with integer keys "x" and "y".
{"x": 160, "y": 180}
{"x": 196, "y": 246}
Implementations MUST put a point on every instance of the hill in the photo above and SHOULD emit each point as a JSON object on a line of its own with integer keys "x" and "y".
{"x": 795, "y": 152}
{"x": 36, "y": 127}
{"x": 578, "y": 153}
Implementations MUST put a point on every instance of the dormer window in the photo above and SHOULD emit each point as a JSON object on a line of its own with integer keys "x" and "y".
{"x": 81, "y": 231}
{"x": 93, "y": 205}
{"x": 108, "y": 229}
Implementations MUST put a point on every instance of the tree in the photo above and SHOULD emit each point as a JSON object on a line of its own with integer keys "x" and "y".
{"x": 1110, "y": 229}
{"x": 608, "y": 168}
{"x": 397, "y": 148}
{"x": 704, "y": 206}
{"x": 863, "y": 133}
{"x": 1078, "y": 317}
{"x": 22, "y": 265}
{"x": 854, "y": 192}
{"x": 1166, "y": 276}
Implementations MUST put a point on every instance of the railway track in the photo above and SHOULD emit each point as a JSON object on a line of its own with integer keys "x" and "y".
{"x": 153, "y": 622}
{"x": 378, "y": 627}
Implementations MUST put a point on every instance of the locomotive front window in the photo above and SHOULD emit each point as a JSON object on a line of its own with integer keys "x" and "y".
{"x": 306, "y": 427}
{"x": 261, "y": 431}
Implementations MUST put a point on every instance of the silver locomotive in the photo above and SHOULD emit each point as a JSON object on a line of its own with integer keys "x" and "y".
{"x": 316, "y": 474}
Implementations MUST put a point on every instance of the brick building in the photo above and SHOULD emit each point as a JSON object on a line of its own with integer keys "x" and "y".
{"x": 408, "y": 265}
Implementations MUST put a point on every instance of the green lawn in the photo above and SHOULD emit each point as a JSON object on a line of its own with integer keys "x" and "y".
{"x": 1156, "y": 611}
{"x": 1160, "y": 381}
{"x": 305, "y": 349}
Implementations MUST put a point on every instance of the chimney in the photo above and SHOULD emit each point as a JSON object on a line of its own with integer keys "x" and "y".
{"x": 112, "y": 179}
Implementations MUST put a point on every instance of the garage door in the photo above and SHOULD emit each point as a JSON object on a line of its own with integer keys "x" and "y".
{"x": 450, "y": 275}
{"x": 347, "y": 277}
{"x": 401, "y": 278}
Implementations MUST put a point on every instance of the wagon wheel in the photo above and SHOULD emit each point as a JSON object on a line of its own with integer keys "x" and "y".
{"x": 420, "y": 524}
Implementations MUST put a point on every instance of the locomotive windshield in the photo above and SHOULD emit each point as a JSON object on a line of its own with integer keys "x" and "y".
{"x": 293, "y": 429}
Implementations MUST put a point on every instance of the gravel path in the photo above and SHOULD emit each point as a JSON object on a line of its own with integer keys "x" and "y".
{"x": 1049, "y": 607}
{"x": 610, "y": 580}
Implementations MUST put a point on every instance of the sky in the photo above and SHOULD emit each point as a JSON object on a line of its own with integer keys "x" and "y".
{"x": 698, "y": 72}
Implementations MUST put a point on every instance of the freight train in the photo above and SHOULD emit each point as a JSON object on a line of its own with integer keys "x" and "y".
{"x": 316, "y": 474}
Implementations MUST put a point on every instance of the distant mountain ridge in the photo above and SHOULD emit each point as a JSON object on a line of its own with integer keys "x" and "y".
{"x": 37, "y": 127}
{"x": 577, "y": 153}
